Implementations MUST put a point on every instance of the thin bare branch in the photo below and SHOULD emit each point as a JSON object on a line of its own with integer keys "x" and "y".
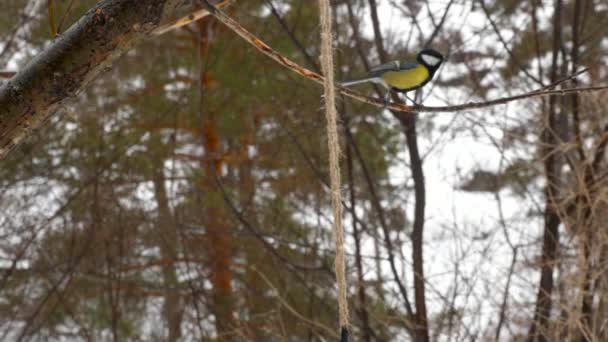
{"x": 65, "y": 15}
{"x": 185, "y": 20}
{"x": 313, "y": 76}
{"x": 51, "y": 14}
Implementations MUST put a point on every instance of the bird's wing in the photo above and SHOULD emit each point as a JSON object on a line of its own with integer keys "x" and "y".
{"x": 405, "y": 65}
{"x": 375, "y": 74}
{"x": 391, "y": 66}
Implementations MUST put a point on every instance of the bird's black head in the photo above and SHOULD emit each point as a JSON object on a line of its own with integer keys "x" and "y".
{"x": 430, "y": 58}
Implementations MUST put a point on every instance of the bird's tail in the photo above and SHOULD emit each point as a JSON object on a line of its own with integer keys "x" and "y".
{"x": 348, "y": 83}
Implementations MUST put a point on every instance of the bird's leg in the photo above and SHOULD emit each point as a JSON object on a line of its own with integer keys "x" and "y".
{"x": 387, "y": 98}
{"x": 412, "y": 100}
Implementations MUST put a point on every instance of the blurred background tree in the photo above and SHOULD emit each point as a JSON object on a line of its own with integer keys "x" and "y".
{"x": 183, "y": 195}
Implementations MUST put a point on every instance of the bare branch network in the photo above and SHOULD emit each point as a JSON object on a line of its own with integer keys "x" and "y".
{"x": 89, "y": 47}
{"x": 286, "y": 62}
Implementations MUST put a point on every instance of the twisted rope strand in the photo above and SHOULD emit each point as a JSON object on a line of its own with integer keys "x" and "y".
{"x": 327, "y": 65}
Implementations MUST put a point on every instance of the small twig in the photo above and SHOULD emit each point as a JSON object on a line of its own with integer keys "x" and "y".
{"x": 600, "y": 150}
{"x": 185, "y": 20}
{"x": 505, "y": 45}
{"x": 291, "y": 35}
{"x": 51, "y": 13}
{"x": 255, "y": 232}
{"x": 7, "y": 74}
{"x": 290, "y": 308}
{"x": 65, "y": 15}
{"x": 504, "y": 100}
{"x": 558, "y": 82}
{"x": 439, "y": 26}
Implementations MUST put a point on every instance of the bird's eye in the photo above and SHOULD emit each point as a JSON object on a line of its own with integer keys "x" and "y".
{"x": 431, "y": 60}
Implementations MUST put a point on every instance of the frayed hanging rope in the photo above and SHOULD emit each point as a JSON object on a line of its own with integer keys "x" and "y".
{"x": 327, "y": 65}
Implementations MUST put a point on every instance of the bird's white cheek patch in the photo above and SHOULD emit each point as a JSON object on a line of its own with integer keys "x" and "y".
{"x": 430, "y": 60}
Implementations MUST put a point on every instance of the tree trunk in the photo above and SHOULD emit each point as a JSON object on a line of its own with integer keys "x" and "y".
{"x": 218, "y": 237}
{"x": 72, "y": 61}
{"x": 219, "y": 241}
{"x": 168, "y": 243}
{"x": 539, "y": 328}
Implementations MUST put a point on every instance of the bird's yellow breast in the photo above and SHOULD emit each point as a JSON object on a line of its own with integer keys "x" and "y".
{"x": 406, "y": 79}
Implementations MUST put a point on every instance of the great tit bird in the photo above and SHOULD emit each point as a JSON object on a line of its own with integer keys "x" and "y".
{"x": 403, "y": 76}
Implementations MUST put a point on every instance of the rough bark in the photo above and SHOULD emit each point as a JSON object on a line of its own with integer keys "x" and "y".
{"x": 72, "y": 61}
